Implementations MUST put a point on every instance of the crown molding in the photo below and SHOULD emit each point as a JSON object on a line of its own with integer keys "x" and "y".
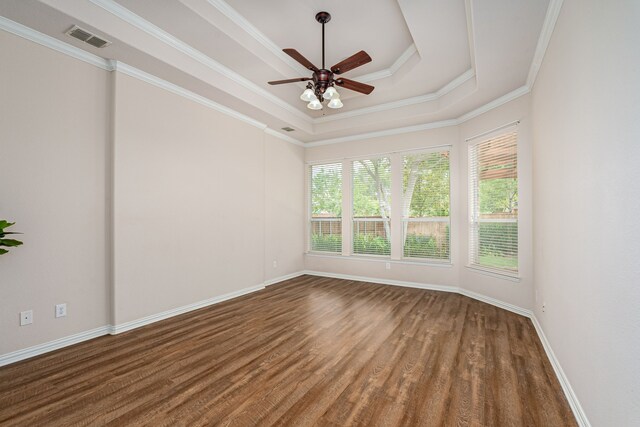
{"x": 242, "y": 22}
{"x": 553, "y": 11}
{"x": 432, "y": 125}
{"x": 151, "y": 29}
{"x": 455, "y": 83}
{"x": 388, "y": 72}
{"x": 53, "y": 43}
{"x": 235, "y": 17}
{"x": 142, "y": 24}
{"x": 284, "y": 137}
{"x": 163, "y": 84}
{"x": 386, "y": 132}
{"x": 523, "y": 90}
{"x": 111, "y": 65}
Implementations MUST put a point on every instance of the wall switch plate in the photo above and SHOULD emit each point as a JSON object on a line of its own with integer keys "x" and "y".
{"x": 26, "y": 317}
{"x": 388, "y": 266}
{"x": 61, "y": 310}
{"x": 275, "y": 264}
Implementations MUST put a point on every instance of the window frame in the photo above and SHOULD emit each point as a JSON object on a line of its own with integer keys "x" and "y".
{"x": 423, "y": 260}
{"x": 352, "y": 218}
{"x": 471, "y": 189}
{"x": 310, "y": 218}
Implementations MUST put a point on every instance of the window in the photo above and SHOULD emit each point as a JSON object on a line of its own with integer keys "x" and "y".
{"x": 425, "y": 206}
{"x": 493, "y": 203}
{"x": 371, "y": 206}
{"x": 326, "y": 208}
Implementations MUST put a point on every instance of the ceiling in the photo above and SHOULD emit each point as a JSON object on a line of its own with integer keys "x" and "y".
{"x": 433, "y": 60}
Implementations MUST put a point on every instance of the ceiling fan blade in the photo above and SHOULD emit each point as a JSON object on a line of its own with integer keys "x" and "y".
{"x": 281, "y": 82}
{"x": 351, "y": 62}
{"x": 301, "y": 59}
{"x": 353, "y": 85}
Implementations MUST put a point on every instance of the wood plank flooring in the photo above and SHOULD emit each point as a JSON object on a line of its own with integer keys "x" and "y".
{"x": 309, "y": 351}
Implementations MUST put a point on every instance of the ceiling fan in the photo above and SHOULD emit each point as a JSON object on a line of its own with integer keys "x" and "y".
{"x": 324, "y": 79}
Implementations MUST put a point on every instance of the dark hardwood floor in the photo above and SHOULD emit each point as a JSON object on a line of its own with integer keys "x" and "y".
{"x": 309, "y": 351}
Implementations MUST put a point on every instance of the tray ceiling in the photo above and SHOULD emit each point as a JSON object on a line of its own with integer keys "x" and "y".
{"x": 433, "y": 60}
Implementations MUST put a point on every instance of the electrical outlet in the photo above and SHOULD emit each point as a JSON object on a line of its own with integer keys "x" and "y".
{"x": 26, "y": 317}
{"x": 388, "y": 266}
{"x": 61, "y": 310}
{"x": 275, "y": 264}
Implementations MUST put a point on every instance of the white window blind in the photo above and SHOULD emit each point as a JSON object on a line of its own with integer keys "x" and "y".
{"x": 326, "y": 207}
{"x": 425, "y": 206}
{"x": 371, "y": 206}
{"x": 493, "y": 203}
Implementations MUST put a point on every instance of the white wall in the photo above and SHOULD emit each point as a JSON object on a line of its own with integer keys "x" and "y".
{"x": 586, "y": 203}
{"x": 54, "y": 117}
{"x": 284, "y": 207}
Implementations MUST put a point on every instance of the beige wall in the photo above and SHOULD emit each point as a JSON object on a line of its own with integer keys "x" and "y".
{"x": 54, "y": 117}
{"x": 191, "y": 195}
{"x": 189, "y": 201}
{"x": 586, "y": 204}
{"x": 284, "y": 207}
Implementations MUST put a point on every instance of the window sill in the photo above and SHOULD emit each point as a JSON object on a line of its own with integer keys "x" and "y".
{"x": 380, "y": 259}
{"x": 496, "y": 274}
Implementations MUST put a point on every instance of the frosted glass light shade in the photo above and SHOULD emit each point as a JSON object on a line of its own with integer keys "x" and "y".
{"x": 307, "y": 95}
{"x": 335, "y": 103}
{"x": 314, "y": 104}
{"x": 331, "y": 93}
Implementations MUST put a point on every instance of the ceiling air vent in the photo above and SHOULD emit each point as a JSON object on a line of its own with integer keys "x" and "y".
{"x": 87, "y": 37}
{"x": 288, "y": 129}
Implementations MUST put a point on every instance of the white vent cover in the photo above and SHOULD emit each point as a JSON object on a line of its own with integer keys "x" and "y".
{"x": 87, "y": 37}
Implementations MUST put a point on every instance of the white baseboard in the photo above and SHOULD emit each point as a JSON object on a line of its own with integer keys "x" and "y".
{"x": 283, "y": 278}
{"x": 578, "y": 412}
{"x": 498, "y": 303}
{"x": 574, "y": 403}
{"x": 36, "y": 350}
{"x": 123, "y": 327}
{"x": 441, "y": 288}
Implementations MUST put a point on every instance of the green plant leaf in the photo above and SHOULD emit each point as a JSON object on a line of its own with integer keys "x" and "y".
{"x": 3, "y": 251}
{"x": 10, "y": 242}
{"x": 5, "y": 224}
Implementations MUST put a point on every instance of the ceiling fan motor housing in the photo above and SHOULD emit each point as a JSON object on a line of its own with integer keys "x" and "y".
{"x": 322, "y": 80}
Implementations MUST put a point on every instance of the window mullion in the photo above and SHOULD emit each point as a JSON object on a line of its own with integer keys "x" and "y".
{"x": 396, "y": 206}
{"x": 347, "y": 208}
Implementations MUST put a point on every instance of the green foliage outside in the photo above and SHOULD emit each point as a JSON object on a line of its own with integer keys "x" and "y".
{"x": 372, "y": 188}
{"x": 426, "y": 180}
{"x": 498, "y": 195}
{"x": 427, "y": 247}
{"x": 426, "y": 187}
{"x": 326, "y": 242}
{"x": 498, "y": 244}
{"x": 371, "y": 244}
{"x": 326, "y": 191}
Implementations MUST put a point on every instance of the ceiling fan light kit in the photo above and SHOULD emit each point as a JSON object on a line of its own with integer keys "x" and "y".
{"x": 324, "y": 79}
